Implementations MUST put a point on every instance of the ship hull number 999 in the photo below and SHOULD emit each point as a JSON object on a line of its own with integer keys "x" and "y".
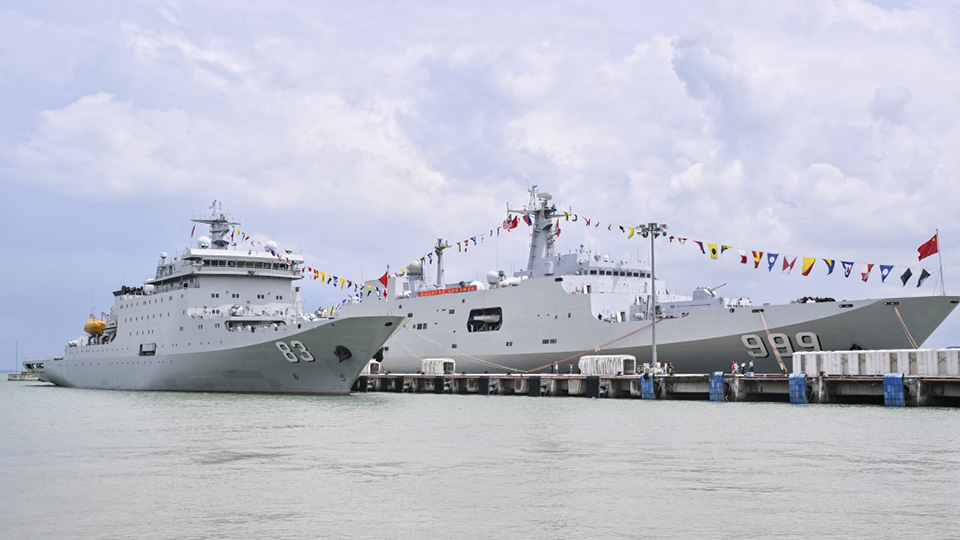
{"x": 757, "y": 347}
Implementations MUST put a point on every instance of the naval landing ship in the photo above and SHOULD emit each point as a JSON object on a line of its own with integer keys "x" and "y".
{"x": 220, "y": 319}
{"x": 566, "y": 306}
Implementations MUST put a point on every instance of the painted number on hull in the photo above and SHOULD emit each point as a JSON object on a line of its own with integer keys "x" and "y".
{"x": 805, "y": 341}
{"x": 295, "y": 351}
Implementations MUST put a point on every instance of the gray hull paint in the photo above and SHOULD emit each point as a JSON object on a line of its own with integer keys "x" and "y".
{"x": 255, "y": 364}
{"x": 704, "y": 341}
{"x": 564, "y": 306}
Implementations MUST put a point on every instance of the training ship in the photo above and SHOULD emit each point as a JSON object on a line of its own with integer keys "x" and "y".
{"x": 219, "y": 319}
{"x": 562, "y": 307}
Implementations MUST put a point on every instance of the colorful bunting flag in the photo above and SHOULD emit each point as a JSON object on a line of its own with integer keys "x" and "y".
{"x": 865, "y": 271}
{"x": 830, "y": 264}
{"x": 885, "y": 270}
{"x": 905, "y": 277}
{"x": 847, "y": 268}
{"x": 923, "y": 276}
{"x": 788, "y": 266}
{"x": 772, "y": 260}
{"x": 699, "y": 243}
{"x": 713, "y": 250}
{"x": 757, "y": 257}
{"x": 807, "y": 265}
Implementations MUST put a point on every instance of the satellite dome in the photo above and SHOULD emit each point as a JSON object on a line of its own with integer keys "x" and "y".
{"x": 493, "y": 277}
{"x": 416, "y": 267}
{"x": 203, "y": 242}
{"x": 271, "y": 245}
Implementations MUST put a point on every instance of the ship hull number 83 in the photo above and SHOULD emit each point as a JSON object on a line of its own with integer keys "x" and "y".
{"x": 757, "y": 347}
{"x": 295, "y": 351}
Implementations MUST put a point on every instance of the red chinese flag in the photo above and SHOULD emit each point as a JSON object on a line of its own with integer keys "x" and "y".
{"x": 929, "y": 248}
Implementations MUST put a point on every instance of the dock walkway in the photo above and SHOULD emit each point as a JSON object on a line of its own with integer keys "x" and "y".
{"x": 890, "y": 389}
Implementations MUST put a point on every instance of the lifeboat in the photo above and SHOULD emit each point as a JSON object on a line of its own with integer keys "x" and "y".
{"x": 94, "y": 326}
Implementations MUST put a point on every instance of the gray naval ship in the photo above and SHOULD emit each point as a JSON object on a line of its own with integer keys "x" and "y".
{"x": 566, "y": 306}
{"x": 220, "y": 319}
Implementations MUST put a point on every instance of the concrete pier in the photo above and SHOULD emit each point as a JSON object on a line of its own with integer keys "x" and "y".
{"x": 904, "y": 390}
{"x": 22, "y": 376}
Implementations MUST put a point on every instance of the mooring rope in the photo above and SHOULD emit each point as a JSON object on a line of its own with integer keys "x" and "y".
{"x": 487, "y": 363}
{"x": 905, "y": 329}
{"x": 454, "y": 352}
{"x": 773, "y": 345}
{"x": 594, "y": 349}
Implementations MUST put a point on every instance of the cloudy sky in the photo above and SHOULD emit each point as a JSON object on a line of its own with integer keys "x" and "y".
{"x": 360, "y": 132}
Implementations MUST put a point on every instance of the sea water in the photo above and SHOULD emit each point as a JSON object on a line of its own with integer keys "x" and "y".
{"x": 163, "y": 465}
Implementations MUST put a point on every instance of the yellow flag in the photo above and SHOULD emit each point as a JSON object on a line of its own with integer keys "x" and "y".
{"x": 713, "y": 250}
{"x": 629, "y": 236}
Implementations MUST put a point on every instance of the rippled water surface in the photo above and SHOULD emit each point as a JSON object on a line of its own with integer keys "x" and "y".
{"x": 113, "y": 464}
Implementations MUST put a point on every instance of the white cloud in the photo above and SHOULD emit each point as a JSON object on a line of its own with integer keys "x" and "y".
{"x": 810, "y": 125}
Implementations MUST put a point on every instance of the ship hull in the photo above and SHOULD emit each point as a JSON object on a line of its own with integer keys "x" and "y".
{"x": 294, "y": 359}
{"x": 545, "y": 326}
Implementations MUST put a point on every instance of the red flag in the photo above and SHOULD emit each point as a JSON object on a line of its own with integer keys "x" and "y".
{"x": 194, "y": 229}
{"x": 383, "y": 279}
{"x": 929, "y": 248}
{"x": 558, "y": 227}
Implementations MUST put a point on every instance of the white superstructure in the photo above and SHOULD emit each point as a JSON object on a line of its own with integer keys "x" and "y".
{"x": 217, "y": 318}
{"x": 564, "y": 306}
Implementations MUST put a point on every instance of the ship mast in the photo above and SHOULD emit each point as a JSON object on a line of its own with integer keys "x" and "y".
{"x": 441, "y": 245}
{"x": 220, "y": 226}
{"x": 542, "y": 237}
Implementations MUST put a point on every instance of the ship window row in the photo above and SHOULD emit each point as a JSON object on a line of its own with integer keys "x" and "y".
{"x": 237, "y": 295}
{"x": 246, "y": 264}
{"x": 550, "y": 341}
{"x": 619, "y": 273}
{"x": 154, "y": 316}
{"x": 145, "y": 302}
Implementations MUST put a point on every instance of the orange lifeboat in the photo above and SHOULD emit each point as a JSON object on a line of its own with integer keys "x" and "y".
{"x": 94, "y": 326}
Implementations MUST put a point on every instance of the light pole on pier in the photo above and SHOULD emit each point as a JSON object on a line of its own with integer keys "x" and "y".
{"x": 653, "y": 230}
